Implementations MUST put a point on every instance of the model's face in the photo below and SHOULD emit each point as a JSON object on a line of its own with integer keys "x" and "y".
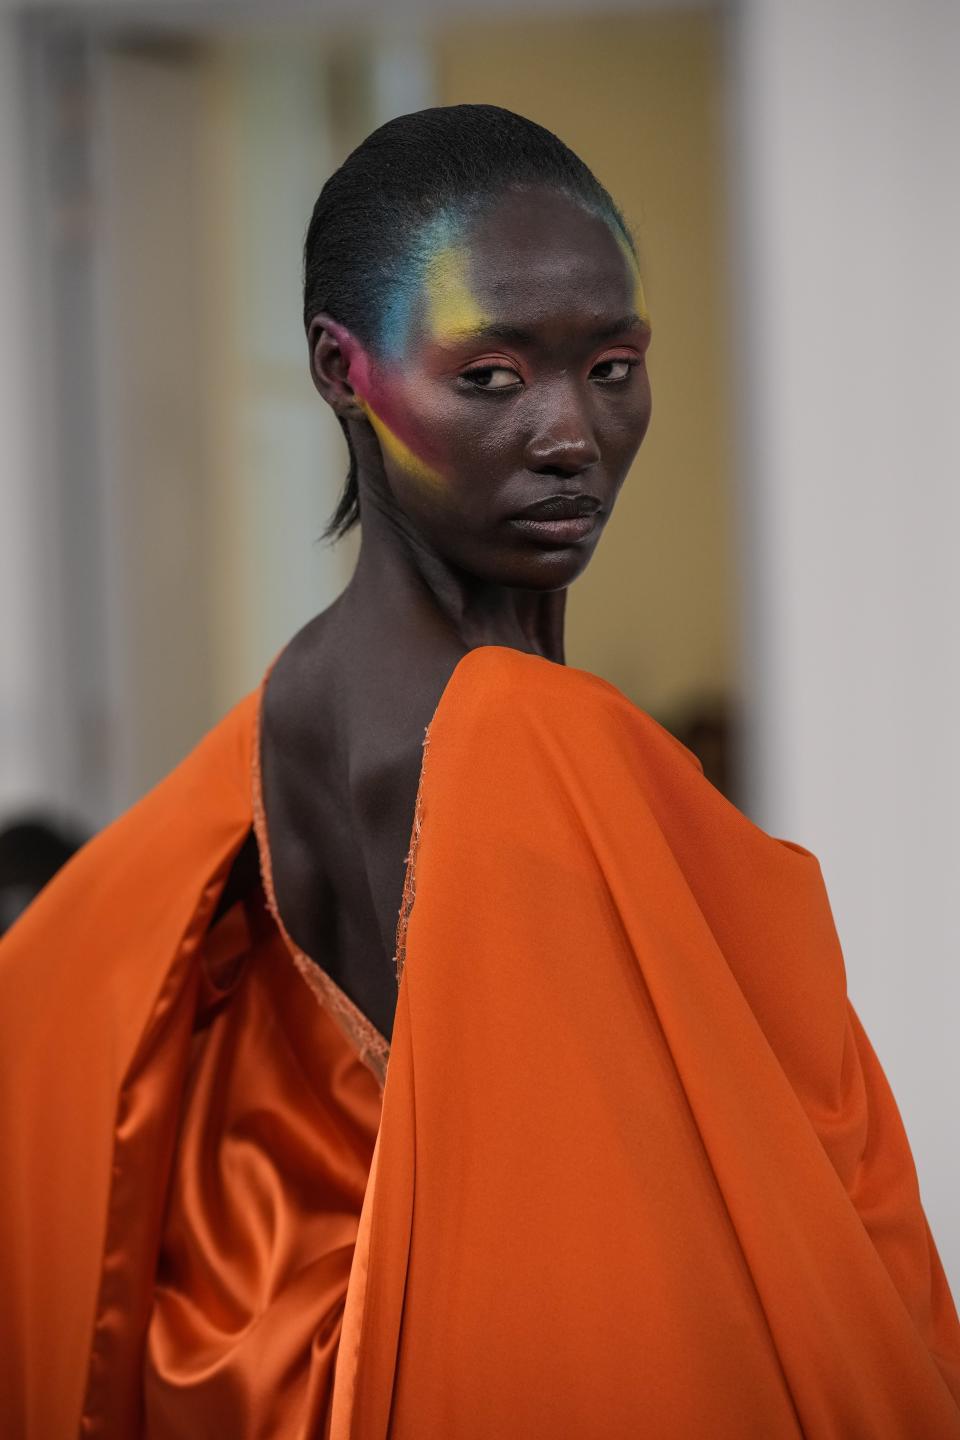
{"x": 514, "y": 371}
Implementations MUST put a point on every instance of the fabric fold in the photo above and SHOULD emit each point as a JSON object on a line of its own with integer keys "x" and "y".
{"x": 655, "y": 1177}
{"x": 98, "y": 980}
{"x": 634, "y": 1166}
{"x": 187, "y": 1133}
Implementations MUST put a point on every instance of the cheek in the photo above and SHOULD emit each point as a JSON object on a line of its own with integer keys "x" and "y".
{"x": 645, "y": 409}
{"x": 411, "y": 438}
{"x": 621, "y": 427}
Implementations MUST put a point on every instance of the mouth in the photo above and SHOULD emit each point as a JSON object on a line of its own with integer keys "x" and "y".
{"x": 559, "y": 518}
{"x": 560, "y": 507}
{"x": 559, "y": 531}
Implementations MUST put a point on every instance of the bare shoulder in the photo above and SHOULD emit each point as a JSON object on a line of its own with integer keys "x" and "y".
{"x": 300, "y": 689}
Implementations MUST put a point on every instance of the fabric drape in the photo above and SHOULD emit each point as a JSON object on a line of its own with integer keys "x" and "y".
{"x": 632, "y": 1165}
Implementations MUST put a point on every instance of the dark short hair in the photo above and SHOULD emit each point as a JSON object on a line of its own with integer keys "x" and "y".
{"x": 409, "y": 185}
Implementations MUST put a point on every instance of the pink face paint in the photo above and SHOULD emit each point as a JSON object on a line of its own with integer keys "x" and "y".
{"x": 384, "y": 409}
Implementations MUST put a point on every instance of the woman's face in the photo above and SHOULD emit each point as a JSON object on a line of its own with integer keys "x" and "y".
{"x": 515, "y": 372}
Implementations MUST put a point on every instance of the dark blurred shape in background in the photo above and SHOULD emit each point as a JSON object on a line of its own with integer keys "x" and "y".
{"x": 32, "y": 850}
{"x": 706, "y": 729}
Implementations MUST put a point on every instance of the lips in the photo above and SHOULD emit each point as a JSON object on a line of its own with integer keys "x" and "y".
{"x": 556, "y": 532}
{"x": 560, "y": 507}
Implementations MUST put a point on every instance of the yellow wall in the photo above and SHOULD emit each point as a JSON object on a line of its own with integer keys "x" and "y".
{"x": 639, "y": 98}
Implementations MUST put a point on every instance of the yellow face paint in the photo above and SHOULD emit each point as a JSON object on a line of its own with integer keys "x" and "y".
{"x": 639, "y": 299}
{"x": 400, "y": 453}
{"x": 451, "y": 307}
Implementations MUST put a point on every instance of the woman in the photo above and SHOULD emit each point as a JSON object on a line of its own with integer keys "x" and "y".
{"x": 633, "y": 1167}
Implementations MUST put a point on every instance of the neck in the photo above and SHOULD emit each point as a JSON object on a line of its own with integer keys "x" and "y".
{"x": 405, "y": 597}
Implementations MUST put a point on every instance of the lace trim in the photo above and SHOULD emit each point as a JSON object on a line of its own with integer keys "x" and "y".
{"x": 372, "y": 1047}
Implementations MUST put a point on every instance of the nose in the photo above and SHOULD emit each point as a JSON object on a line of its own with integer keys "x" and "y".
{"x": 562, "y": 442}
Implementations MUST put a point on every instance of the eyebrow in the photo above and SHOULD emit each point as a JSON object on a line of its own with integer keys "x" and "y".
{"x": 520, "y": 335}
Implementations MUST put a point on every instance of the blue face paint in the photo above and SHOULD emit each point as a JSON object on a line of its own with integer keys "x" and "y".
{"x": 406, "y": 278}
{"x": 405, "y": 288}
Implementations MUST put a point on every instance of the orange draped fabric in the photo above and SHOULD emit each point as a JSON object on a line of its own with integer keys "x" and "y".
{"x": 629, "y": 1167}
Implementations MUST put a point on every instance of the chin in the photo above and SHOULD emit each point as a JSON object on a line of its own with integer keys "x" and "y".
{"x": 529, "y": 569}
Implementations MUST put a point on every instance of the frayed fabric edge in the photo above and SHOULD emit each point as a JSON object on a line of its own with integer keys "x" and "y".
{"x": 409, "y": 878}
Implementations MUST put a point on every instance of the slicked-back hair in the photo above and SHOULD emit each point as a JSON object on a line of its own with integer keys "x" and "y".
{"x": 409, "y": 188}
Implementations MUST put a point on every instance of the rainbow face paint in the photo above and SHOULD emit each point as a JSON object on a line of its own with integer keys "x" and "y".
{"x": 444, "y": 305}
{"x": 381, "y": 409}
{"x": 429, "y": 263}
{"x": 399, "y": 452}
{"x": 408, "y": 377}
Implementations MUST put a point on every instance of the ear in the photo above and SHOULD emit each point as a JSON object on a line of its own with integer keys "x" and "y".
{"x": 336, "y": 360}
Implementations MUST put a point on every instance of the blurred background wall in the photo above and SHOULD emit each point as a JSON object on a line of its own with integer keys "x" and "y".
{"x": 779, "y": 585}
{"x": 847, "y": 218}
{"x": 641, "y": 97}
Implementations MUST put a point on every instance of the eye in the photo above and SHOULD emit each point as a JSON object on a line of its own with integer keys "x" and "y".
{"x": 492, "y": 377}
{"x": 613, "y": 371}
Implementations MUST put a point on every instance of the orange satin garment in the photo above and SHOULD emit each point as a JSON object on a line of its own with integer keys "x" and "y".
{"x": 635, "y": 1169}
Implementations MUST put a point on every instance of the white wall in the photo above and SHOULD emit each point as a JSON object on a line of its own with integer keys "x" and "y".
{"x": 166, "y": 465}
{"x": 847, "y": 124}
{"x": 277, "y": 458}
{"x": 277, "y": 126}
{"x": 151, "y": 459}
{"x": 34, "y": 761}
